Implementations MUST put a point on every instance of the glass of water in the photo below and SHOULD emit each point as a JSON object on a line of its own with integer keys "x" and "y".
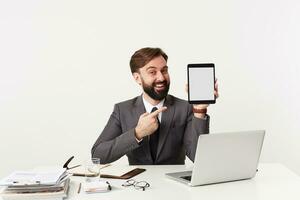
{"x": 92, "y": 170}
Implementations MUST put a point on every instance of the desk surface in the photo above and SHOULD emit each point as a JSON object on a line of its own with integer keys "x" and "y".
{"x": 273, "y": 181}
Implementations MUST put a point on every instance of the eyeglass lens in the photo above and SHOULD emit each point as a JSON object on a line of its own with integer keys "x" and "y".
{"x": 140, "y": 185}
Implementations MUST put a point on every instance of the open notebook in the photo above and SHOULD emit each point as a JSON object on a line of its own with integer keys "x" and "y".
{"x": 109, "y": 171}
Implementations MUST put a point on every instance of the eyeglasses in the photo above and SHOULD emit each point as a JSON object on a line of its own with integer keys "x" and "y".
{"x": 139, "y": 185}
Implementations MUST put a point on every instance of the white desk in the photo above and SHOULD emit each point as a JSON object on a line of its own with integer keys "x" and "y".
{"x": 273, "y": 181}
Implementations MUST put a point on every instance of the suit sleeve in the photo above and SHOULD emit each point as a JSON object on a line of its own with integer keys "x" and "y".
{"x": 194, "y": 128}
{"x": 112, "y": 143}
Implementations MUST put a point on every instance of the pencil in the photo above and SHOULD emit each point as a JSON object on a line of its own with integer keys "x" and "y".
{"x": 107, "y": 165}
{"x": 79, "y": 188}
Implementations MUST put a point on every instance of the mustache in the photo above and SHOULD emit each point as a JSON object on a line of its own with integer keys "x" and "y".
{"x": 160, "y": 82}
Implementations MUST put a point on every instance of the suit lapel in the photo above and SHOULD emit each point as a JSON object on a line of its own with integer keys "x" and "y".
{"x": 166, "y": 121}
{"x": 140, "y": 109}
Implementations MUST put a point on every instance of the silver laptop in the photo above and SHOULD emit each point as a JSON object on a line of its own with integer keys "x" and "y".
{"x": 224, "y": 157}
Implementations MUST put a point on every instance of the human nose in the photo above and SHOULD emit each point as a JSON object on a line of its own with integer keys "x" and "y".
{"x": 160, "y": 76}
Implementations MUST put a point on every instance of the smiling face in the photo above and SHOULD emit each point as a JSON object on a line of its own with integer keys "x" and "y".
{"x": 154, "y": 78}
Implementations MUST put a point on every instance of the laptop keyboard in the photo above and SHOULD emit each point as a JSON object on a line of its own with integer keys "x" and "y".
{"x": 187, "y": 177}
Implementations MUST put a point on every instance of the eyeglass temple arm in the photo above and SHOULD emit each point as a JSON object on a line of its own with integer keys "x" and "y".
{"x": 67, "y": 163}
{"x": 74, "y": 167}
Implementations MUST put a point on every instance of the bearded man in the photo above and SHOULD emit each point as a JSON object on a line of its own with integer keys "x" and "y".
{"x": 155, "y": 127}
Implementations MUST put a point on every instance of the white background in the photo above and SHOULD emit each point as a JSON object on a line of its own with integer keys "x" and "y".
{"x": 63, "y": 65}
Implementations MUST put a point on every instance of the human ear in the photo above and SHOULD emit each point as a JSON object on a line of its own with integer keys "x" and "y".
{"x": 137, "y": 77}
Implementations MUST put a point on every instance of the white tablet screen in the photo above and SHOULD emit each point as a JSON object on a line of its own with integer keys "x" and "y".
{"x": 201, "y": 83}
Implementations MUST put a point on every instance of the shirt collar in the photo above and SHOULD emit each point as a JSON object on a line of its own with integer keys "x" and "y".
{"x": 149, "y": 106}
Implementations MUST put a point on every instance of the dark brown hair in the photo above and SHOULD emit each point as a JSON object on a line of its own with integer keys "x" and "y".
{"x": 142, "y": 56}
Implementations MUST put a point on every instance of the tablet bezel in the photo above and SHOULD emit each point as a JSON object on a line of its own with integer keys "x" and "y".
{"x": 200, "y": 65}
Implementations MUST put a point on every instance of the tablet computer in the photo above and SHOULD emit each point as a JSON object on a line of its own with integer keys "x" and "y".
{"x": 201, "y": 83}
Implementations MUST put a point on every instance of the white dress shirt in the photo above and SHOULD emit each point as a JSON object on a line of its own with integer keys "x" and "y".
{"x": 149, "y": 107}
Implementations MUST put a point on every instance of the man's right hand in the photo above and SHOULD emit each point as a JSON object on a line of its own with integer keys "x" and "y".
{"x": 147, "y": 123}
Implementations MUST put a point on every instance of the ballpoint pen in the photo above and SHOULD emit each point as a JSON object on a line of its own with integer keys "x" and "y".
{"x": 108, "y": 185}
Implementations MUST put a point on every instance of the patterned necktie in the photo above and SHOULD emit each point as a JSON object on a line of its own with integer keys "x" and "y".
{"x": 154, "y": 139}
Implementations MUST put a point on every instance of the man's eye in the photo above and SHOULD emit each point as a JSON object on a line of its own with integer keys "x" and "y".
{"x": 164, "y": 71}
{"x": 152, "y": 72}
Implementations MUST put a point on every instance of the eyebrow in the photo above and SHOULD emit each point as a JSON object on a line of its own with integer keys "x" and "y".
{"x": 150, "y": 67}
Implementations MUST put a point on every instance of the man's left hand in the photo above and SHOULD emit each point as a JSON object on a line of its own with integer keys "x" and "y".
{"x": 204, "y": 106}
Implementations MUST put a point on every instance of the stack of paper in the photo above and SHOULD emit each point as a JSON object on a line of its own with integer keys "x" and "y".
{"x": 36, "y": 185}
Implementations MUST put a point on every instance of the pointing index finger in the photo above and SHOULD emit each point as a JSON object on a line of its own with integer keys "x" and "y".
{"x": 155, "y": 113}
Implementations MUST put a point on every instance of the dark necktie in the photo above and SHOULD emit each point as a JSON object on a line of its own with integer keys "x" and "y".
{"x": 154, "y": 139}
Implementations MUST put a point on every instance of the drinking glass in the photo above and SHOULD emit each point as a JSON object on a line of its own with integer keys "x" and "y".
{"x": 92, "y": 170}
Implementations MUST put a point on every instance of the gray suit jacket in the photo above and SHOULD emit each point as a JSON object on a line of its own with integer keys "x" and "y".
{"x": 179, "y": 131}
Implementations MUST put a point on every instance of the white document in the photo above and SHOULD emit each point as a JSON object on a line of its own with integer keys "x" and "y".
{"x": 96, "y": 186}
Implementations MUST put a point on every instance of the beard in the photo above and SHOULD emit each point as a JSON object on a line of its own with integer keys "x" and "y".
{"x": 156, "y": 95}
